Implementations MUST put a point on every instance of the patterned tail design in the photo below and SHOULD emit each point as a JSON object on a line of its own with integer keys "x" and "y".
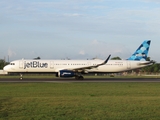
{"x": 142, "y": 52}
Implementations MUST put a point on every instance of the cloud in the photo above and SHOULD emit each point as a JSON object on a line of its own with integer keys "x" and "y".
{"x": 73, "y": 15}
{"x": 97, "y": 25}
{"x": 95, "y": 42}
{"x": 156, "y": 1}
{"x": 82, "y": 52}
{"x": 101, "y": 49}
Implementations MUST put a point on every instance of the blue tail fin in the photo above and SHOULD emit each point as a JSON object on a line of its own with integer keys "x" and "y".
{"x": 142, "y": 52}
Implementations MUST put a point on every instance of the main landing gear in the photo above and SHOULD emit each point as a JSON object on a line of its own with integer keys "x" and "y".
{"x": 79, "y": 77}
{"x": 21, "y": 76}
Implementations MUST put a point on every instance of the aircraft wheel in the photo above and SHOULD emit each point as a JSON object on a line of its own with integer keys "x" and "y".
{"x": 79, "y": 77}
{"x": 21, "y": 76}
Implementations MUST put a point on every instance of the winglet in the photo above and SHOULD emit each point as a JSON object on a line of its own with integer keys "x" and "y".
{"x": 104, "y": 61}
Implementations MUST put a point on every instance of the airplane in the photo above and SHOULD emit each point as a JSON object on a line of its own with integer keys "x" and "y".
{"x": 75, "y": 68}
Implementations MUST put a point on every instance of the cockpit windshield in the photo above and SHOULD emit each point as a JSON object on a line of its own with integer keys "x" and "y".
{"x": 12, "y": 63}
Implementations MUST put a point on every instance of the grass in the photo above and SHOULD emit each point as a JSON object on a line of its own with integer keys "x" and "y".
{"x": 79, "y": 101}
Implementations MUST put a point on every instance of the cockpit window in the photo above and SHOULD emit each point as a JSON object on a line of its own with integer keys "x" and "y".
{"x": 12, "y": 63}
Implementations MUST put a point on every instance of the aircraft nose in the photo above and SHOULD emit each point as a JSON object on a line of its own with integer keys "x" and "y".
{"x": 6, "y": 68}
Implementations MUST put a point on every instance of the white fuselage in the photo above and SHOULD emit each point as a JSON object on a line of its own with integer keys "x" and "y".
{"x": 57, "y": 65}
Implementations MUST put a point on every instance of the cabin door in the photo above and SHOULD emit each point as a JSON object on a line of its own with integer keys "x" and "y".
{"x": 21, "y": 64}
{"x": 51, "y": 64}
{"x": 89, "y": 63}
{"x": 128, "y": 65}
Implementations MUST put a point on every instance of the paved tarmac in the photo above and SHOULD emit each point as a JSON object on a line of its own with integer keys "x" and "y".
{"x": 72, "y": 80}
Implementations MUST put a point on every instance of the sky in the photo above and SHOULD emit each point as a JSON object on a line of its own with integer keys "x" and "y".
{"x": 78, "y": 29}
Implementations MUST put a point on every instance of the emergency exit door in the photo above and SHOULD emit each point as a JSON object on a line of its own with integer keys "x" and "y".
{"x": 128, "y": 65}
{"x": 21, "y": 64}
{"x": 51, "y": 64}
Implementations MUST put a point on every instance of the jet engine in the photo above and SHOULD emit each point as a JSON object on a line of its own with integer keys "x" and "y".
{"x": 65, "y": 73}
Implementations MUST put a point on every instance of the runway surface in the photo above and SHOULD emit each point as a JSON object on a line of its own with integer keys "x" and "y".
{"x": 92, "y": 80}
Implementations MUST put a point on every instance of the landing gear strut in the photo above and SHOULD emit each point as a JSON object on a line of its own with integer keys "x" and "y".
{"x": 21, "y": 76}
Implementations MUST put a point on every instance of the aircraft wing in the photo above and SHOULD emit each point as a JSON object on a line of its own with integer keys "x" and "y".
{"x": 90, "y": 67}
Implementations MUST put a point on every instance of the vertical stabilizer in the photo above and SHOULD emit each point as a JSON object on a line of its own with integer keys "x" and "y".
{"x": 142, "y": 52}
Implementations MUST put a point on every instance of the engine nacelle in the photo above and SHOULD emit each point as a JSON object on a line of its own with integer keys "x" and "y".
{"x": 65, "y": 73}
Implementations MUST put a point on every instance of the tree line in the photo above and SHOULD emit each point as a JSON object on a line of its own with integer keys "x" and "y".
{"x": 3, "y": 63}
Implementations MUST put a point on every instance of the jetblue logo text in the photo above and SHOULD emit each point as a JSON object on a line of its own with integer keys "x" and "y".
{"x": 140, "y": 55}
{"x": 65, "y": 73}
{"x": 35, "y": 64}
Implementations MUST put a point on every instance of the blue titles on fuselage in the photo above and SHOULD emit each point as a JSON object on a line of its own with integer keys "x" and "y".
{"x": 35, "y": 64}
